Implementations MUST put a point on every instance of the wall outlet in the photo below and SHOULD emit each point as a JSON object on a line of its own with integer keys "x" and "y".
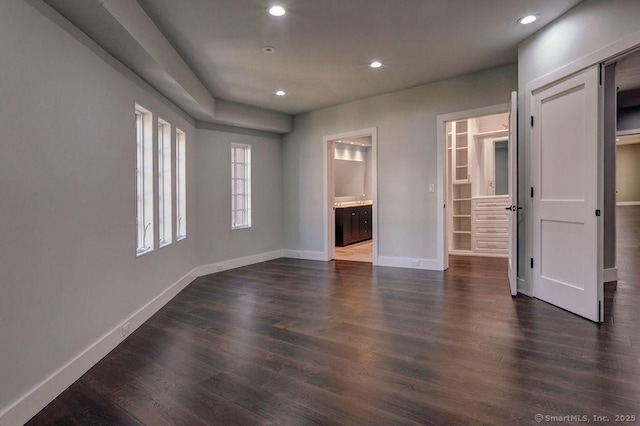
{"x": 432, "y": 188}
{"x": 415, "y": 262}
{"x": 219, "y": 267}
{"x": 126, "y": 329}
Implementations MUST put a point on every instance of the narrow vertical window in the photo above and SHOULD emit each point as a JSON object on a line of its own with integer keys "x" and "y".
{"x": 240, "y": 186}
{"x": 144, "y": 180}
{"x": 181, "y": 184}
{"x": 165, "y": 231}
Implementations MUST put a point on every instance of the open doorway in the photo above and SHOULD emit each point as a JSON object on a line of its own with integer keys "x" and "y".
{"x": 351, "y": 196}
{"x": 627, "y": 168}
{"x": 477, "y": 184}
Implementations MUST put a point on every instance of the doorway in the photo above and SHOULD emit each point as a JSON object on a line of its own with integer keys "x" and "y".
{"x": 350, "y": 201}
{"x": 624, "y": 192}
{"x": 479, "y": 154}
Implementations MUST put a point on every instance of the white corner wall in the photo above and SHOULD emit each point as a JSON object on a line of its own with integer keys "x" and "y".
{"x": 407, "y": 159}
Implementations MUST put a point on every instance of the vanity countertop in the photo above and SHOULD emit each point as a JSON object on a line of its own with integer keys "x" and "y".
{"x": 353, "y": 203}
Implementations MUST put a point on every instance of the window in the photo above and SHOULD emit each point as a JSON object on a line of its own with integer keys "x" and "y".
{"x": 165, "y": 230}
{"x": 181, "y": 184}
{"x": 144, "y": 180}
{"x": 240, "y": 186}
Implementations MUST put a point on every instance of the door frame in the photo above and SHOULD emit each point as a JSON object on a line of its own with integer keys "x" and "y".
{"x": 601, "y": 57}
{"x": 329, "y": 218}
{"x": 588, "y": 79}
{"x": 443, "y": 172}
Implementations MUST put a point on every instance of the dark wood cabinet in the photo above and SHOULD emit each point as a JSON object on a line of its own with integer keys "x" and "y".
{"x": 353, "y": 224}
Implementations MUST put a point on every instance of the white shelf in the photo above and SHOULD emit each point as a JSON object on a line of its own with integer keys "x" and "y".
{"x": 462, "y": 232}
{"x": 462, "y": 199}
{"x": 461, "y": 215}
{"x": 492, "y": 133}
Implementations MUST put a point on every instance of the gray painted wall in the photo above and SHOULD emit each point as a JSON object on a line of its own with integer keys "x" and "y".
{"x": 216, "y": 240}
{"x": 67, "y": 184}
{"x": 407, "y": 159}
{"x": 628, "y": 173}
{"x": 69, "y": 272}
{"x": 590, "y": 26}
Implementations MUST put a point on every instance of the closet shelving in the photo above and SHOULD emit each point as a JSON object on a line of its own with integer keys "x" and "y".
{"x": 476, "y": 217}
{"x": 458, "y": 149}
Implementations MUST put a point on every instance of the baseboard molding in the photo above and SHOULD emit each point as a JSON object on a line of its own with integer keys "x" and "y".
{"x": 42, "y": 394}
{"x": 523, "y": 287}
{"x": 212, "y": 268}
{"x": 610, "y": 275}
{"x": 628, "y": 203}
{"x": 306, "y": 255}
{"x": 411, "y": 263}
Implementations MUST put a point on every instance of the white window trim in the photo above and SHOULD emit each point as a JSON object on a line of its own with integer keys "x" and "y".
{"x": 144, "y": 181}
{"x": 181, "y": 184}
{"x": 247, "y": 185}
{"x": 165, "y": 192}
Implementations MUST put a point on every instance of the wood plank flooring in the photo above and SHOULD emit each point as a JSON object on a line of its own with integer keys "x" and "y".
{"x": 359, "y": 252}
{"x": 301, "y": 342}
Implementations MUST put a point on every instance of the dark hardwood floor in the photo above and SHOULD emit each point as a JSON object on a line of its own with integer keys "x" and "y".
{"x": 301, "y": 342}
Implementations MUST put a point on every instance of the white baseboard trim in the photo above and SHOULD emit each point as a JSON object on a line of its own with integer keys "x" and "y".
{"x": 411, "y": 263}
{"x": 610, "y": 275}
{"x": 628, "y": 203}
{"x": 306, "y": 255}
{"x": 42, "y": 394}
{"x": 212, "y": 268}
{"x": 523, "y": 287}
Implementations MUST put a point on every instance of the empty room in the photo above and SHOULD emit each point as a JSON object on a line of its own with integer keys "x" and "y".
{"x": 330, "y": 212}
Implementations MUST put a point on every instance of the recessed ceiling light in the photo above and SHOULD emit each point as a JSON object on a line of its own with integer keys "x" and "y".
{"x": 281, "y": 93}
{"x": 277, "y": 11}
{"x": 268, "y": 49}
{"x": 528, "y": 19}
{"x": 375, "y": 64}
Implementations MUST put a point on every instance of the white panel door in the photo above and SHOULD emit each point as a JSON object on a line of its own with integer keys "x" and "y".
{"x": 513, "y": 193}
{"x": 567, "y": 270}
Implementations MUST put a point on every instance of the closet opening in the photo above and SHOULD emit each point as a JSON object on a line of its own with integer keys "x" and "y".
{"x": 477, "y": 185}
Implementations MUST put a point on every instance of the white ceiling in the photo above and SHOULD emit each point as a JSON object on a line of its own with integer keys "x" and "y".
{"x": 323, "y": 46}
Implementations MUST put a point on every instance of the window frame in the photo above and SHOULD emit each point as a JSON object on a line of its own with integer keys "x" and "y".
{"x": 145, "y": 220}
{"x": 181, "y": 184}
{"x": 240, "y": 166}
{"x": 165, "y": 191}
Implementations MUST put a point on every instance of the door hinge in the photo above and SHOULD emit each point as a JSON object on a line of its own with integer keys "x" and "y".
{"x": 598, "y": 212}
{"x": 532, "y": 262}
{"x": 532, "y": 121}
{"x": 532, "y": 192}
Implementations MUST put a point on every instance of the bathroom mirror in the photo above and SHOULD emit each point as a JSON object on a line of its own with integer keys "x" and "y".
{"x": 493, "y": 166}
{"x": 349, "y": 178}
